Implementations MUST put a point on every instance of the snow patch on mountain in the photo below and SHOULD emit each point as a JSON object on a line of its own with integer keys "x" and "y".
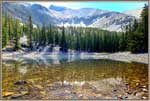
{"x": 81, "y": 24}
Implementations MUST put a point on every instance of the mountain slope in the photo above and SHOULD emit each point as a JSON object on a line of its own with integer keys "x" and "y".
{"x": 40, "y": 14}
{"x": 135, "y": 12}
{"x": 56, "y": 15}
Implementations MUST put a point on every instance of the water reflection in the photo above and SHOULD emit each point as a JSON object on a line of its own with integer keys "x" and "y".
{"x": 77, "y": 72}
{"x": 55, "y": 57}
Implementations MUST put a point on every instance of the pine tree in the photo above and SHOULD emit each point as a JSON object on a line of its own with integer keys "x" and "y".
{"x": 30, "y": 30}
{"x": 144, "y": 24}
{"x": 63, "y": 40}
{"x": 4, "y": 33}
{"x": 44, "y": 35}
{"x": 16, "y": 31}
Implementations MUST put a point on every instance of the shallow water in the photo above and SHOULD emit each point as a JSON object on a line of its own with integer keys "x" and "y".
{"x": 105, "y": 75}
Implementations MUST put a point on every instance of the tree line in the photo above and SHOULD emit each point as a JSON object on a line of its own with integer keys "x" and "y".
{"x": 134, "y": 39}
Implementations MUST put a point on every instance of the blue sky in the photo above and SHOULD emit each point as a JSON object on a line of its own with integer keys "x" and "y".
{"x": 112, "y": 6}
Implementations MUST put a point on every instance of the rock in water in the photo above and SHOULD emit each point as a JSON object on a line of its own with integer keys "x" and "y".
{"x": 38, "y": 86}
{"x": 86, "y": 86}
{"x": 144, "y": 90}
{"x": 6, "y": 94}
{"x": 16, "y": 96}
{"x": 20, "y": 82}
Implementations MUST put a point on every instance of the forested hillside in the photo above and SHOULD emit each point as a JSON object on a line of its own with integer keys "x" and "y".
{"x": 135, "y": 39}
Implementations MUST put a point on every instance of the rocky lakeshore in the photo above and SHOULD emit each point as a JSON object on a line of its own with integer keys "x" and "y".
{"x": 77, "y": 90}
{"x": 118, "y": 56}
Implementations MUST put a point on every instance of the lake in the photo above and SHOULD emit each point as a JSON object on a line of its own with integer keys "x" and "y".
{"x": 77, "y": 79}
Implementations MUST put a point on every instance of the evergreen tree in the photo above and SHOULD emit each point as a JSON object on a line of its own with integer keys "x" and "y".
{"x": 16, "y": 31}
{"x": 63, "y": 40}
{"x": 144, "y": 24}
{"x": 5, "y": 32}
{"x": 30, "y": 31}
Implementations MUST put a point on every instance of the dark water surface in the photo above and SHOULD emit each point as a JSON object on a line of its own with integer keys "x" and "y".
{"x": 80, "y": 79}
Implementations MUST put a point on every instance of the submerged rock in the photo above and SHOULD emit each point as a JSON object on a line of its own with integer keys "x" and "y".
{"x": 80, "y": 95}
{"x": 86, "y": 86}
{"x": 126, "y": 97}
{"x": 38, "y": 86}
{"x": 15, "y": 96}
{"x": 144, "y": 97}
{"x": 43, "y": 92}
{"x": 119, "y": 97}
{"x": 6, "y": 94}
{"x": 20, "y": 82}
{"x": 144, "y": 90}
{"x": 114, "y": 90}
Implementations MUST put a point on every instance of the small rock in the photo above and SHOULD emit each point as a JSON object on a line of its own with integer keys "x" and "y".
{"x": 144, "y": 86}
{"x": 5, "y": 94}
{"x": 134, "y": 92}
{"x": 126, "y": 84}
{"x": 80, "y": 95}
{"x": 99, "y": 95}
{"x": 43, "y": 92}
{"x": 136, "y": 80}
{"x": 137, "y": 84}
{"x": 20, "y": 82}
{"x": 94, "y": 88}
{"x": 129, "y": 92}
{"x": 125, "y": 97}
{"x": 132, "y": 97}
{"x": 24, "y": 92}
{"x": 73, "y": 92}
{"x": 49, "y": 85}
{"x": 86, "y": 86}
{"x": 114, "y": 90}
{"x": 52, "y": 88}
{"x": 138, "y": 94}
{"x": 144, "y": 97}
{"x": 119, "y": 97}
{"x": 31, "y": 80}
{"x": 15, "y": 96}
{"x": 108, "y": 97}
{"x": 67, "y": 91}
{"x": 144, "y": 90}
{"x": 38, "y": 86}
{"x": 65, "y": 83}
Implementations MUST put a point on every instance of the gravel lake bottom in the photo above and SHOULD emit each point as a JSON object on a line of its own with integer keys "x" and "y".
{"x": 75, "y": 76}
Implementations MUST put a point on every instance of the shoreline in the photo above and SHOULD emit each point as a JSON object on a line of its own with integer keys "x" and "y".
{"x": 118, "y": 56}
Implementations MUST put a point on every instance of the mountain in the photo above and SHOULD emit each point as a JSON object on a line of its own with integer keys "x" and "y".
{"x": 57, "y": 8}
{"x": 40, "y": 14}
{"x": 135, "y": 12}
{"x": 59, "y": 16}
